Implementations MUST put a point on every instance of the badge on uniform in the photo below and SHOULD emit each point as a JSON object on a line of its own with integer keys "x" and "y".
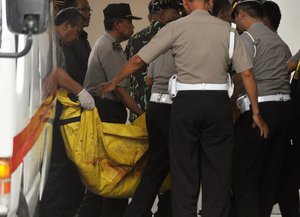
{"x": 117, "y": 47}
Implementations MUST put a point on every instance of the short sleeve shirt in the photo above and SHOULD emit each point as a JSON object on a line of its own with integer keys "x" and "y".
{"x": 199, "y": 43}
{"x": 160, "y": 70}
{"x": 138, "y": 89}
{"x": 106, "y": 60}
{"x": 270, "y": 62}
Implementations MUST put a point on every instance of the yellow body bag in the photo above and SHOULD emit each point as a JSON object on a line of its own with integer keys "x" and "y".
{"x": 109, "y": 157}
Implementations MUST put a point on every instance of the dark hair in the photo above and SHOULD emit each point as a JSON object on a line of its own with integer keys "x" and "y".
{"x": 272, "y": 12}
{"x": 70, "y": 15}
{"x": 70, "y": 3}
{"x": 220, "y": 5}
{"x": 109, "y": 23}
{"x": 253, "y": 9}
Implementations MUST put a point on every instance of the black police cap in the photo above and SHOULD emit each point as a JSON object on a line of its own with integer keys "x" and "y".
{"x": 120, "y": 10}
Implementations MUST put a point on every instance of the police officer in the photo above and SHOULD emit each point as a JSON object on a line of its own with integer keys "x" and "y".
{"x": 158, "y": 17}
{"x": 106, "y": 59}
{"x": 157, "y": 120}
{"x": 257, "y": 162}
{"x": 58, "y": 197}
{"x": 201, "y": 131}
{"x": 77, "y": 54}
{"x": 160, "y": 13}
{"x": 289, "y": 195}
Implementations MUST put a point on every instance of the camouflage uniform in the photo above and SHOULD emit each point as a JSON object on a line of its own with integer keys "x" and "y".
{"x": 138, "y": 89}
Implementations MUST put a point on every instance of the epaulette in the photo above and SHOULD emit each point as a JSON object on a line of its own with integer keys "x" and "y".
{"x": 117, "y": 47}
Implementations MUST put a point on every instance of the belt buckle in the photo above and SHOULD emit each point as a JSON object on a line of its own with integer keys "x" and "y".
{"x": 280, "y": 97}
{"x": 203, "y": 86}
{"x": 159, "y": 97}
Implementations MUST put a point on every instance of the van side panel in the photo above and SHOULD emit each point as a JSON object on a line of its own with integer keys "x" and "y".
{"x": 28, "y": 96}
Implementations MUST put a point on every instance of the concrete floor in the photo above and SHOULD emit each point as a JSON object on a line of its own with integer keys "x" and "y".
{"x": 275, "y": 212}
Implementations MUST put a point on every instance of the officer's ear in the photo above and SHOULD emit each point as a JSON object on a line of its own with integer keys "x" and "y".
{"x": 266, "y": 21}
{"x": 241, "y": 13}
{"x": 65, "y": 26}
{"x": 117, "y": 23}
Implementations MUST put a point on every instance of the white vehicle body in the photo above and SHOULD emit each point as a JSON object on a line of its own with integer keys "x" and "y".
{"x": 27, "y": 94}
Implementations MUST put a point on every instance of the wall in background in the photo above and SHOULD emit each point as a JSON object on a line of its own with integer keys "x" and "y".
{"x": 289, "y": 28}
{"x": 96, "y": 28}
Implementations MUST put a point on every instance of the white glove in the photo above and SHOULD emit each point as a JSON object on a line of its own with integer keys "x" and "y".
{"x": 86, "y": 100}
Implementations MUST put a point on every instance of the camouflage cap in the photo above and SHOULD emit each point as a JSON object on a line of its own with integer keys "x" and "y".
{"x": 157, "y": 5}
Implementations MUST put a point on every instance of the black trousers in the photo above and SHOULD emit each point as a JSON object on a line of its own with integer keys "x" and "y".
{"x": 64, "y": 190}
{"x": 201, "y": 142}
{"x": 257, "y": 162}
{"x": 157, "y": 119}
{"x": 94, "y": 205}
{"x": 288, "y": 198}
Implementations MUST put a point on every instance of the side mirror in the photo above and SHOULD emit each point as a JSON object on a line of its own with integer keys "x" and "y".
{"x": 24, "y": 16}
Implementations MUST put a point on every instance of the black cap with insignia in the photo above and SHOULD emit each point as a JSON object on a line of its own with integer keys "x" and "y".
{"x": 121, "y": 10}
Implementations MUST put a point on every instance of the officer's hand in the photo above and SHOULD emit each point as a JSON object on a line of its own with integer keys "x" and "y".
{"x": 106, "y": 87}
{"x": 86, "y": 100}
{"x": 260, "y": 123}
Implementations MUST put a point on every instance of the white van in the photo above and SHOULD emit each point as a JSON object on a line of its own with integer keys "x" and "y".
{"x": 27, "y": 95}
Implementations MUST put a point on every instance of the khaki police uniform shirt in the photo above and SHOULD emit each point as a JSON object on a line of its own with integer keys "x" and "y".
{"x": 106, "y": 59}
{"x": 270, "y": 62}
{"x": 160, "y": 70}
{"x": 199, "y": 43}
